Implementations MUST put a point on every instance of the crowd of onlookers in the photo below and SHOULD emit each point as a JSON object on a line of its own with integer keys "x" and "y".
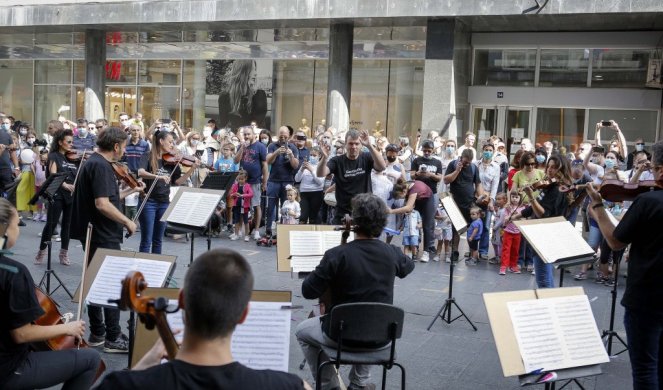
{"x": 309, "y": 176}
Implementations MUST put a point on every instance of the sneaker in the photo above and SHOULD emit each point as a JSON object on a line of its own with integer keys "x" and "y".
{"x": 41, "y": 255}
{"x": 424, "y": 257}
{"x": 580, "y": 276}
{"x": 609, "y": 282}
{"x": 256, "y": 235}
{"x": 483, "y": 257}
{"x": 234, "y": 237}
{"x": 436, "y": 257}
{"x": 447, "y": 259}
{"x": 95, "y": 341}
{"x": 35, "y": 218}
{"x": 502, "y": 270}
{"x": 246, "y": 238}
{"x": 515, "y": 270}
{"x": 493, "y": 260}
{"x": 56, "y": 238}
{"x": 471, "y": 261}
{"x": 21, "y": 223}
{"x": 43, "y": 218}
{"x": 120, "y": 345}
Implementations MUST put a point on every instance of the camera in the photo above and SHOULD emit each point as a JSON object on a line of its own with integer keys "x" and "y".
{"x": 606, "y": 123}
{"x": 41, "y": 142}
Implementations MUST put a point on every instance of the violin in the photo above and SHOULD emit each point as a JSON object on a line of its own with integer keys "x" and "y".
{"x": 123, "y": 174}
{"x": 52, "y": 316}
{"x": 185, "y": 161}
{"x": 151, "y": 311}
{"x": 615, "y": 190}
{"x": 74, "y": 155}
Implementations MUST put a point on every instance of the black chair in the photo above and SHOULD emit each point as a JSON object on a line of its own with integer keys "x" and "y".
{"x": 365, "y": 323}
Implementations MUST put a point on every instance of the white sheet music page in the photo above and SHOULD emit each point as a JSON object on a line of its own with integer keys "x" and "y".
{"x": 194, "y": 208}
{"x": 556, "y": 333}
{"x": 108, "y": 283}
{"x": 457, "y": 219}
{"x": 304, "y": 263}
{"x": 175, "y": 321}
{"x": 263, "y": 340}
{"x": 306, "y": 243}
{"x": 556, "y": 240}
{"x": 332, "y": 239}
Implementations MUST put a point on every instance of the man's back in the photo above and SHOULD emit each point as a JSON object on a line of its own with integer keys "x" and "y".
{"x": 178, "y": 374}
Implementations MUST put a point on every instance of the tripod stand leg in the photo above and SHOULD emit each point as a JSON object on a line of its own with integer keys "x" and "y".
{"x": 462, "y": 314}
{"x": 439, "y": 314}
{"x": 61, "y": 284}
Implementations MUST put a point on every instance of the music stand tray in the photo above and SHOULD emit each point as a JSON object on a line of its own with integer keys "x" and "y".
{"x": 49, "y": 188}
{"x": 219, "y": 180}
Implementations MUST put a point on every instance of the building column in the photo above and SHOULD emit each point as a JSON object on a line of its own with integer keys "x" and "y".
{"x": 95, "y": 74}
{"x": 339, "y": 78}
{"x": 445, "y": 79}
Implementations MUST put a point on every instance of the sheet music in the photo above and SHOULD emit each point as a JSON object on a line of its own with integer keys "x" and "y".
{"x": 261, "y": 342}
{"x": 173, "y": 192}
{"x": 306, "y": 243}
{"x": 556, "y": 240}
{"x": 108, "y": 283}
{"x": 556, "y": 333}
{"x": 175, "y": 321}
{"x": 304, "y": 263}
{"x": 457, "y": 219}
{"x": 331, "y": 239}
{"x": 194, "y": 208}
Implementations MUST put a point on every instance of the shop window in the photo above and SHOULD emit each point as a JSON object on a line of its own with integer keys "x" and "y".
{"x": 53, "y": 72}
{"x": 633, "y": 124}
{"x": 565, "y": 125}
{"x": 619, "y": 68}
{"x": 564, "y": 67}
{"x": 504, "y": 67}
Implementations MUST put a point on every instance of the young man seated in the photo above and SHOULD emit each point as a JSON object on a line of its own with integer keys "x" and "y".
{"x": 215, "y": 298}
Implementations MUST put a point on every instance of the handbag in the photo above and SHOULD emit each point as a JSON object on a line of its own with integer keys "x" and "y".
{"x": 330, "y": 199}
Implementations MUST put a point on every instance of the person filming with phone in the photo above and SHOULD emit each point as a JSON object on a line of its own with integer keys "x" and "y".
{"x": 284, "y": 159}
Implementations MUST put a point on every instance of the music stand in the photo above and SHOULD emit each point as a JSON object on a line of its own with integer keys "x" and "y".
{"x": 610, "y": 333}
{"x": 217, "y": 181}
{"x": 459, "y": 226}
{"x": 48, "y": 191}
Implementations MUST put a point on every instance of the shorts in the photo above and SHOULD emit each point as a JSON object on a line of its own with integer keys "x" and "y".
{"x": 410, "y": 240}
{"x": 474, "y": 244}
{"x": 443, "y": 234}
{"x": 237, "y": 215}
{"x": 257, "y": 192}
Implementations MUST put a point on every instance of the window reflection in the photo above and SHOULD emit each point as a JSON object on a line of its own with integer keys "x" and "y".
{"x": 566, "y": 125}
{"x": 159, "y": 72}
{"x": 633, "y": 123}
{"x": 159, "y": 102}
{"x": 564, "y": 67}
{"x": 619, "y": 68}
{"x": 48, "y": 99}
{"x": 504, "y": 67}
{"x": 16, "y": 91}
{"x": 53, "y": 72}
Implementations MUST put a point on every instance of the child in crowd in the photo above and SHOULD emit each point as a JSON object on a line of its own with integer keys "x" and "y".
{"x": 443, "y": 233}
{"x": 240, "y": 201}
{"x": 474, "y": 235}
{"x": 226, "y": 162}
{"x": 411, "y": 226}
{"x": 500, "y": 202}
{"x": 291, "y": 210}
{"x": 130, "y": 203}
{"x": 40, "y": 178}
{"x": 511, "y": 238}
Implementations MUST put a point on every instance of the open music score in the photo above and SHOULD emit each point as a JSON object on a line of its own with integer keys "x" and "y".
{"x": 108, "y": 279}
{"x": 192, "y": 206}
{"x": 457, "y": 220}
{"x": 262, "y": 341}
{"x": 556, "y": 333}
{"x": 308, "y": 247}
{"x": 555, "y": 240}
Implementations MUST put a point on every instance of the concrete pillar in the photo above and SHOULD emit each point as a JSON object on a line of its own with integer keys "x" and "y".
{"x": 439, "y": 95}
{"x": 339, "y": 77}
{"x": 95, "y": 74}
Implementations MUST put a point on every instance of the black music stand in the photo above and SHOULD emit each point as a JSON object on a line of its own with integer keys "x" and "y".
{"x": 221, "y": 181}
{"x": 48, "y": 191}
{"x": 451, "y": 301}
{"x": 610, "y": 333}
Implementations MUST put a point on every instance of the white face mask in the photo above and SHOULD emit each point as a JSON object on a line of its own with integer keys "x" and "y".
{"x": 82, "y": 131}
{"x": 194, "y": 142}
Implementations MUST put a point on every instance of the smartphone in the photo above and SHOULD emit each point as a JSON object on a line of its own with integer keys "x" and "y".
{"x": 301, "y": 138}
{"x": 166, "y": 120}
{"x": 598, "y": 149}
{"x": 606, "y": 123}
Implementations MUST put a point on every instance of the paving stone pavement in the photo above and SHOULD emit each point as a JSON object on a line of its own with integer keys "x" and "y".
{"x": 449, "y": 356}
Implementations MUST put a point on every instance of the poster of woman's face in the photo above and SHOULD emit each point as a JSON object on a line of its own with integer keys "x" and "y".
{"x": 242, "y": 91}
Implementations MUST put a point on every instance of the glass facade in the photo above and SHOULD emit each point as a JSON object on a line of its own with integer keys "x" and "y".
{"x": 566, "y": 125}
{"x": 635, "y": 123}
{"x": 504, "y": 67}
{"x": 564, "y": 67}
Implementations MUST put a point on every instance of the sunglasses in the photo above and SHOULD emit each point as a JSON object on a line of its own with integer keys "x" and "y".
{"x": 99, "y": 127}
{"x": 530, "y": 164}
{"x": 641, "y": 143}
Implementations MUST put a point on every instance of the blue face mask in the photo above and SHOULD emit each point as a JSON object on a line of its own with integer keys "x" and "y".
{"x": 540, "y": 159}
{"x": 313, "y": 160}
{"x": 487, "y": 155}
{"x": 609, "y": 163}
{"x": 450, "y": 149}
{"x": 5, "y": 127}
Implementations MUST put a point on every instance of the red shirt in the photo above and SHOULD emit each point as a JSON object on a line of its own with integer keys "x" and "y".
{"x": 420, "y": 188}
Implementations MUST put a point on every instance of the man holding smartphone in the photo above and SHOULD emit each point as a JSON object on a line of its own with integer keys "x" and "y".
{"x": 284, "y": 159}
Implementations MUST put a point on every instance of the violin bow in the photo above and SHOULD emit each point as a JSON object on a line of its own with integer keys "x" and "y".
{"x": 86, "y": 254}
{"x": 78, "y": 171}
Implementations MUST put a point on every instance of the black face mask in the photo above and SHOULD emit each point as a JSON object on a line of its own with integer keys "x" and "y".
{"x": 391, "y": 159}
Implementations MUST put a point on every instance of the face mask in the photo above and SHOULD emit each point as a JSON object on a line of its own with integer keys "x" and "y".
{"x": 82, "y": 131}
{"x": 487, "y": 155}
{"x": 391, "y": 159}
{"x": 313, "y": 160}
{"x": 5, "y": 126}
{"x": 595, "y": 160}
{"x": 194, "y": 142}
{"x": 639, "y": 148}
{"x": 450, "y": 149}
{"x": 23, "y": 132}
{"x": 540, "y": 159}
{"x": 609, "y": 163}
{"x": 31, "y": 141}
{"x": 264, "y": 141}
{"x": 126, "y": 123}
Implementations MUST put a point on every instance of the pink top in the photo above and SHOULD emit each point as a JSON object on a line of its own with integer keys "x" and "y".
{"x": 40, "y": 173}
{"x": 508, "y": 211}
{"x": 247, "y": 194}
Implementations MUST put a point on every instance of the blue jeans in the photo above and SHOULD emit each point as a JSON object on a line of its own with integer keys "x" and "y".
{"x": 524, "y": 253}
{"x": 544, "y": 273}
{"x": 275, "y": 193}
{"x": 595, "y": 237}
{"x": 151, "y": 227}
{"x": 484, "y": 242}
{"x": 644, "y": 334}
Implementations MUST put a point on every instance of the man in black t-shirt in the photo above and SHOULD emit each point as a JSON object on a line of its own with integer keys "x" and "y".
{"x": 97, "y": 201}
{"x": 363, "y": 270}
{"x": 215, "y": 298}
{"x": 284, "y": 159}
{"x": 426, "y": 168}
{"x": 352, "y": 171}
{"x": 643, "y": 307}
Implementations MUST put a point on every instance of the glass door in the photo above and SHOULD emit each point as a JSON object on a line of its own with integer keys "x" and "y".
{"x": 484, "y": 123}
{"x": 517, "y": 125}
{"x": 119, "y": 99}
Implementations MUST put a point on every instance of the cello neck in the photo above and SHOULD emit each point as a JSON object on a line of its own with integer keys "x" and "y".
{"x": 166, "y": 334}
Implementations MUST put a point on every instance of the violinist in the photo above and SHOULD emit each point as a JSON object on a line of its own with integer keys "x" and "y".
{"x": 97, "y": 199}
{"x": 63, "y": 199}
{"x": 550, "y": 202}
{"x": 153, "y": 167}
{"x": 643, "y": 308}
{"x": 362, "y": 270}
{"x": 19, "y": 367}
{"x": 215, "y": 298}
